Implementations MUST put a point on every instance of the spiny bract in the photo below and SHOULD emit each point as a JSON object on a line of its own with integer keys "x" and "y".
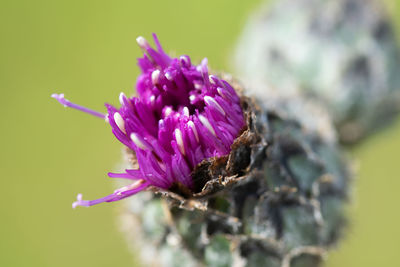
{"x": 277, "y": 200}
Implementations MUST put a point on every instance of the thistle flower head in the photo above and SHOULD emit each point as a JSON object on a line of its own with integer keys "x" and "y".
{"x": 181, "y": 116}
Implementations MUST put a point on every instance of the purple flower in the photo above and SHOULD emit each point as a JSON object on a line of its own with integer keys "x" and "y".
{"x": 182, "y": 115}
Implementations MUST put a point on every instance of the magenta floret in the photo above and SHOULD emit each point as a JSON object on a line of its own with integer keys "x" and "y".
{"x": 181, "y": 116}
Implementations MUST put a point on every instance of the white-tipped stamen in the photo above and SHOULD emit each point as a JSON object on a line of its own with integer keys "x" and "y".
{"x": 186, "y": 111}
{"x": 61, "y": 99}
{"x": 168, "y": 76}
{"x": 192, "y": 98}
{"x": 191, "y": 125}
{"x": 155, "y": 76}
{"x": 179, "y": 141}
{"x": 122, "y": 96}
{"x": 124, "y": 100}
{"x": 198, "y": 86}
{"x": 142, "y": 42}
{"x": 120, "y": 122}
{"x": 152, "y": 99}
{"x": 220, "y": 92}
{"x": 135, "y": 139}
{"x": 210, "y": 77}
{"x": 167, "y": 111}
{"x": 211, "y": 101}
{"x": 207, "y": 124}
{"x": 77, "y": 202}
{"x": 184, "y": 59}
{"x": 66, "y": 103}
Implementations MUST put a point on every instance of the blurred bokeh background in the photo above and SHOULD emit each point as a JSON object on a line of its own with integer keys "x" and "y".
{"x": 87, "y": 50}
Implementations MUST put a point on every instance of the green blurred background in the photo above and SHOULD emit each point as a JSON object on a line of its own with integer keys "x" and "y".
{"x": 87, "y": 50}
